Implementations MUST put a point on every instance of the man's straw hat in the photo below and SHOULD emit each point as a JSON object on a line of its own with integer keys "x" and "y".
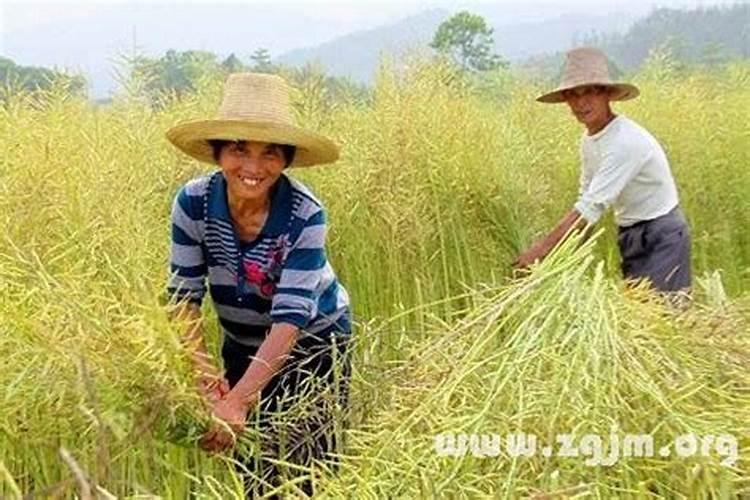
{"x": 255, "y": 107}
{"x": 588, "y": 66}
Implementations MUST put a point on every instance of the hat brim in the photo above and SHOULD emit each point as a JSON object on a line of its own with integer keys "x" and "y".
{"x": 623, "y": 92}
{"x": 192, "y": 139}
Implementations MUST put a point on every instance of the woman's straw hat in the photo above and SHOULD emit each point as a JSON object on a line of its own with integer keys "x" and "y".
{"x": 255, "y": 107}
{"x": 588, "y": 66}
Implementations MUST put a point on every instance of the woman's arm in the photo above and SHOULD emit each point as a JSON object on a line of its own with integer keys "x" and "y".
{"x": 210, "y": 382}
{"x": 233, "y": 408}
{"x": 269, "y": 359}
{"x": 293, "y": 307}
{"x": 187, "y": 284}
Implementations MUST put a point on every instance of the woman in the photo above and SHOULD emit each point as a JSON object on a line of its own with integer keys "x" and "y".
{"x": 257, "y": 237}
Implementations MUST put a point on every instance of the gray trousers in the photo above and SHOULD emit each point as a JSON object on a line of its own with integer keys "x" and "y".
{"x": 658, "y": 249}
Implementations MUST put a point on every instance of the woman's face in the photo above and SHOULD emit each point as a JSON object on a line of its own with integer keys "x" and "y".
{"x": 251, "y": 168}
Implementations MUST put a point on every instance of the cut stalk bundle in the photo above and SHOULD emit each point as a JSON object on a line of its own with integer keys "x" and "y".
{"x": 563, "y": 351}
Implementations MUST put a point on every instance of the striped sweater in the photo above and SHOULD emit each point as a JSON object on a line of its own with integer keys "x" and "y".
{"x": 281, "y": 276}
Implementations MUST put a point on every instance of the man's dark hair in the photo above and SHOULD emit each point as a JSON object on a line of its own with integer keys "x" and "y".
{"x": 286, "y": 149}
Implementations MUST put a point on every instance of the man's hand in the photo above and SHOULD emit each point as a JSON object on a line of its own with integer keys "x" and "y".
{"x": 527, "y": 258}
{"x": 540, "y": 249}
{"x": 231, "y": 415}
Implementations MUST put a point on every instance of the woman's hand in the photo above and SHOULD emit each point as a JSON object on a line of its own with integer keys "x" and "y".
{"x": 231, "y": 415}
{"x": 212, "y": 388}
{"x": 232, "y": 410}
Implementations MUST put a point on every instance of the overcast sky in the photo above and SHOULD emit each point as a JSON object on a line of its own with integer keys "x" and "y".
{"x": 299, "y": 23}
{"x": 84, "y": 36}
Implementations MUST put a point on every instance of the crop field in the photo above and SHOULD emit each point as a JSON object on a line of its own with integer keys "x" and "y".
{"x": 441, "y": 183}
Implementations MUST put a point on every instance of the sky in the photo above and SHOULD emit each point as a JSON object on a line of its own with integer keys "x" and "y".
{"x": 89, "y": 36}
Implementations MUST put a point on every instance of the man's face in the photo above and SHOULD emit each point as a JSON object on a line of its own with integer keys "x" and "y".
{"x": 590, "y": 105}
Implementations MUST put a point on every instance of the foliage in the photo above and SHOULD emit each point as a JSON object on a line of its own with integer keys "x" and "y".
{"x": 438, "y": 187}
{"x": 175, "y": 72}
{"x": 34, "y": 78}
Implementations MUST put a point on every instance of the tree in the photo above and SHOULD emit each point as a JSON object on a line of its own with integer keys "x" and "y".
{"x": 262, "y": 61}
{"x": 467, "y": 40}
{"x": 232, "y": 64}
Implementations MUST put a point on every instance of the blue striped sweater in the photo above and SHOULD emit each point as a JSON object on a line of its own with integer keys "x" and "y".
{"x": 281, "y": 276}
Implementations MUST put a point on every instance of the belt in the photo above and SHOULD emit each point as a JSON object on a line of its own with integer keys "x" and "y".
{"x": 676, "y": 212}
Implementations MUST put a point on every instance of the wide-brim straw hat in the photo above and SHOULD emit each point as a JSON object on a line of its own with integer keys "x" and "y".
{"x": 588, "y": 66}
{"x": 255, "y": 107}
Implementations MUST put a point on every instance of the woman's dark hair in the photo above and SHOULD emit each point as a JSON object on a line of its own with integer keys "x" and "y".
{"x": 286, "y": 149}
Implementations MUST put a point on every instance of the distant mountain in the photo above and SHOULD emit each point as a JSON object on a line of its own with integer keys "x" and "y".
{"x": 706, "y": 35}
{"x": 520, "y": 41}
{"x": 357, "y": 55}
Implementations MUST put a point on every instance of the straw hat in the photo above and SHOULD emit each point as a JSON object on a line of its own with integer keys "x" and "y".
{"x": 588, "y": 66}
{"x": 255, "y": 107}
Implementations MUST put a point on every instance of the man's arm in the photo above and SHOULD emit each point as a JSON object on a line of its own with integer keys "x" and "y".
{"x": 540, "y": 249}
{"x": 621, "y": 158}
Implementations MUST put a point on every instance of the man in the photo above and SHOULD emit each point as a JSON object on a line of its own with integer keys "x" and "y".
{"x": 623, "y": 166}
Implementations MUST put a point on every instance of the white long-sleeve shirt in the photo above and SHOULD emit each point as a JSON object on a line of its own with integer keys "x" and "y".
{"x": 623, "y": 166}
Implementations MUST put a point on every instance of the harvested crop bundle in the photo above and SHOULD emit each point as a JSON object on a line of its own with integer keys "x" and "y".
{"x": 592, "y": 371}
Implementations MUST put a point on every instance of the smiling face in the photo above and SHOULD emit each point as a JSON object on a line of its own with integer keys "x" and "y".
{"x": 251, "y": 168}
{"x": 590, "y": 105}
